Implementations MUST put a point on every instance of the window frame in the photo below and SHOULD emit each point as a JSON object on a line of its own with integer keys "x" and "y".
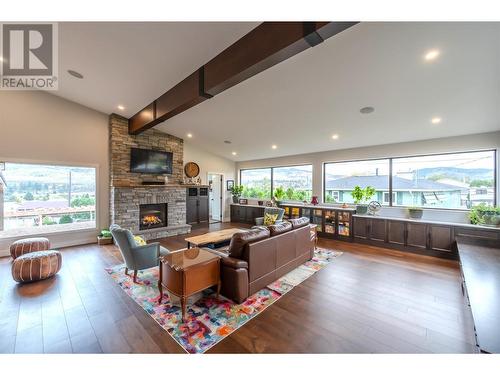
{"x": 272, "y": 174}
{"x": 392, "y": 158}
{"x": 64, "y": 164}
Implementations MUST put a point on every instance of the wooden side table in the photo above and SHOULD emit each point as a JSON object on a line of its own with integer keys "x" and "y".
{"x": 187, "y": 272}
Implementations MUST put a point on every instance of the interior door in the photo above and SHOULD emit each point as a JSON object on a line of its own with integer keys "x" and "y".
{"x": 215, "y": 196}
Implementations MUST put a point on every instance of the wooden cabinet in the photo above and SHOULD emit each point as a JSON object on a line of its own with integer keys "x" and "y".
{"x": 440, "y": 237}
{"x": 197, "y": 205}
{"x": 378, "y": 230}
{"x": 396, "y": 232}
{"x": 245, "y": 214}
{"x": 361, "y": 227}
{"x": 416, "y": 235}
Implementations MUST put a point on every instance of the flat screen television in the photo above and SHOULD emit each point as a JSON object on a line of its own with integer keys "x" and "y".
{"x": 150, "y": 161}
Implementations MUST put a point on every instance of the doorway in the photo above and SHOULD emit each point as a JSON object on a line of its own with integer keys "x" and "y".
{"x": 215, "y": 183}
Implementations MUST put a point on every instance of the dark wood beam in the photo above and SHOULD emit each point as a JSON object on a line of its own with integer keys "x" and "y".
{"x": 265, "y": 46}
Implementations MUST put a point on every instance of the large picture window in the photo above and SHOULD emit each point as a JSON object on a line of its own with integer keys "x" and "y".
{"x": 453, "y": 181}
{"x": 256, "y": 183}
{"x": 341, "y": 178}
{"x": 46, "y": 198}
{"x": 296, "y": 181}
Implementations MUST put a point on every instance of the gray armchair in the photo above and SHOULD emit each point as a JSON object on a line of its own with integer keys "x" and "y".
{"x": 272, "y": 211}
{"x": 136, "y": 257}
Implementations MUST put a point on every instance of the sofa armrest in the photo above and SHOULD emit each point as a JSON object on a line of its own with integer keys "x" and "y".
{"x": 259, "y": 221}
{"x": 234, "y": 263}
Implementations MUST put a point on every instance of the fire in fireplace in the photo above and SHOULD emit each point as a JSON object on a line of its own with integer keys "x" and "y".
{"x": 152, "y": 216}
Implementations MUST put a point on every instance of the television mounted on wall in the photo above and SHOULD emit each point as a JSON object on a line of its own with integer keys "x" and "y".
{"x": 150, "y": 161}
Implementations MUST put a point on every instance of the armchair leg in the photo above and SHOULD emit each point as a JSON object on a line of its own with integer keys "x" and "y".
{"x": 135, "y": 276}
{"x": 126, "y": 271}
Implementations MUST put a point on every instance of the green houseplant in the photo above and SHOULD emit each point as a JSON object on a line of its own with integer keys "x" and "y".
{"x": 483, "y": 214}
{"x": 361, "y": 196}
{"x": 415, "y": 212}
{"x": 105, "y": 237}
{"x": 279, "y": 194}
{"x": 236, "y": 191}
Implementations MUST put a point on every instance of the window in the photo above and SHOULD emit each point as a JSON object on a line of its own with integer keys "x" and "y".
{"x": 46, "y": 198}
{"x": 341, "y": 178}
{"x": 387, "y": 195}
{"x": 295, "y": 180}
{"x": 457, "y": 181}
{"x": 256, "y": 183}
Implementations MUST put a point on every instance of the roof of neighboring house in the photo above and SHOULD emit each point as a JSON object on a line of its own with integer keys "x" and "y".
{"x": 381, "y": 183}
{"x": 2, "y": 179}
{"x": 33, "y": 205}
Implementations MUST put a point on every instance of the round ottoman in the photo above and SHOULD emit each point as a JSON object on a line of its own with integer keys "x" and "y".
{"x": 36, "y": 266}
{"x": 28, "y": 245}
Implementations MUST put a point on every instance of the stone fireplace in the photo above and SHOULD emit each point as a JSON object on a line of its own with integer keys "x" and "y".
{"x": 137, "y": 202}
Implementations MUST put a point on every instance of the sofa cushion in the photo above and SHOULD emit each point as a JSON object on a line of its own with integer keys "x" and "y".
{"x": 239, "y": 240}
{"x": 282, "y": 227}
{"x": 300, "y": 222}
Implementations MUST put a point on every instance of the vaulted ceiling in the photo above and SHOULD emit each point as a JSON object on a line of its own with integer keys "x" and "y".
{"x": 298, "y": 104}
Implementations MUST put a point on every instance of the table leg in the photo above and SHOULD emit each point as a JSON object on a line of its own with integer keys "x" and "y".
{"x": 183, "y": 308}
{"x": 189, "y": 245}
{"x": 159, "y": 285}
{"x": 218, "y": 289}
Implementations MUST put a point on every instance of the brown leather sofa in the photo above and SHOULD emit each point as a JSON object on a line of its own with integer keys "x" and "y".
{"x": 262, "y": 255}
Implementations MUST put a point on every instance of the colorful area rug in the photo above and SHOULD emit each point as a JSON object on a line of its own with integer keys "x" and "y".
{"x": 209, "y": 320}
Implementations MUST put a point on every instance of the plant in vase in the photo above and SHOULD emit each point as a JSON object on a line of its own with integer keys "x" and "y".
{"x": 236, "y": 191}
{"x": 279, "y": 195}
{"x": 415, "y": 212}
{"x": 361, "y": 196}
{"x": 483, "y": 214}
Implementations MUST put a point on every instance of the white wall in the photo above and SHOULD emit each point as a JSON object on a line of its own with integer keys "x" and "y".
{"x": 452, "y": 144}
{"x": 40, "y": 127}
{"x": 210, "y": 163}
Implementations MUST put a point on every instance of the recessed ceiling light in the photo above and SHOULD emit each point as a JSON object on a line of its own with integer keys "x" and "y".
{"x": 75, "y": 74}
{"x": 121, "y": 108}
{"x": 436, "y": 120}
{"x": 227, "y": 142}
{"x": 335, "y": 136}
{"x": 274, "y": 147}
{"x": 234, "y": 153}
{"x": 366, "y": 110}
{"x": 431, "y": 55}
{"x": 189, "y": 135}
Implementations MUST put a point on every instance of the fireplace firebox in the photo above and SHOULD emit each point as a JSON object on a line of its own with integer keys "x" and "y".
{"x": 152, "y": 216}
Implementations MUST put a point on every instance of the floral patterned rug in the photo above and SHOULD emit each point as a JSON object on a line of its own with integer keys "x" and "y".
{"x": 209, "y": 320}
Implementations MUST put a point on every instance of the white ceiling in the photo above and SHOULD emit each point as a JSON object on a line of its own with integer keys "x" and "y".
{"x": 301, "y": 102}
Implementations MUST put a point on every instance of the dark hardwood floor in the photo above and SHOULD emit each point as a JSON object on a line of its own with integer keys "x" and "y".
{"x": 370, "y": 300}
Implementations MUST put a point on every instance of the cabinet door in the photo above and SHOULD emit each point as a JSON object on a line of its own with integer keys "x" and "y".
{"x": 203, "y": 210}
{"x": 361, "y": 227}
{"x": 416, "y": 235}
{"x": 242, "y": 218}
{"x": 192, "y": 211}
{"x": 377, "y": 230}
{"x": 396, "y": 232}
{"x": 440, "y": 237}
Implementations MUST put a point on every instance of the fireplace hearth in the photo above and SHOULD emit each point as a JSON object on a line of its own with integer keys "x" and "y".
{"x": 152, "y": 216}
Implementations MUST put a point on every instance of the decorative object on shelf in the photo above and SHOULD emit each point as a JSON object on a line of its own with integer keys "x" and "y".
{"x": 314, "y": 200}
{"x": 243, "y": 201}
{"x": 260, "y": 203}
{"x": 198, "y": 180}
{"x": 345, "y": 205}
{"x": 166, "y": 180}
{"x": 229, "y": 185}
{"x": 192, "y": 169}
{"x": 236, "y": 192}
{"x": 269, "y": 203}
{"x": 304, "y": 202}
{"x": 104, "y": 238}
{"x": 374, "y": 207}
{"x": 360, "y": 196}
{"x": 279, "y": 195}
{"x": 483, "y": 214}
{"x": 415, "y": 212}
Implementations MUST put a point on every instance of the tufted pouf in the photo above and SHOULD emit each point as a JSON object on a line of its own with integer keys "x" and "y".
{"x": 36, "y": 266}
{"x": 28, "y": 245}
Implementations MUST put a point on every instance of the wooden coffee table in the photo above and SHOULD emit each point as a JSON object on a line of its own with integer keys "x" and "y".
{"x": 187, "y": 272}
{"x": 213, "y": 237}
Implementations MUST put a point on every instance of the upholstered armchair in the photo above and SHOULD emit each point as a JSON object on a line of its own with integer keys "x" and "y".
{"x": 136, "y": 257}
{"x": 272, "y": 211}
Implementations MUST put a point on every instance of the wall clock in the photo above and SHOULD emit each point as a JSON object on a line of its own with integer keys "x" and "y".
{"x": 192, "y": 169}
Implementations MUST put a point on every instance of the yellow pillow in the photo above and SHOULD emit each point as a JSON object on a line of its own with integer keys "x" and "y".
{"x": 270, "y": 219}
{"x": 139, "y": 240}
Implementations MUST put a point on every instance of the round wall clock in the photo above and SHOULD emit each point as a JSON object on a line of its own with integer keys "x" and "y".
{"x": 192, "y": 169}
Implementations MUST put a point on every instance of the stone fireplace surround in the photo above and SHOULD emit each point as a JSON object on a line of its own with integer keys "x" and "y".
{"x": 128, "y": 191}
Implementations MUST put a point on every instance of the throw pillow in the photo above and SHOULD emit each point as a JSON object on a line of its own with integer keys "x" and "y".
{"x": 270, "y": 219}
{"x": 139, "y": 240}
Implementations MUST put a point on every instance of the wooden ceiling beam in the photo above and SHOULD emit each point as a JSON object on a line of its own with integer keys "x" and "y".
{"x": 265, "y": 46}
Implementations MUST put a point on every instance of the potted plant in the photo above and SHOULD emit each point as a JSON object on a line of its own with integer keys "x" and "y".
{"x": 236, "y": 191}
{"x": 279, "y": 195}
{"x": 360, "y": 196}
{"x": 105, "y": 237}
{"x": 483, "y": 214}
{"x": 415, "y": 212}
